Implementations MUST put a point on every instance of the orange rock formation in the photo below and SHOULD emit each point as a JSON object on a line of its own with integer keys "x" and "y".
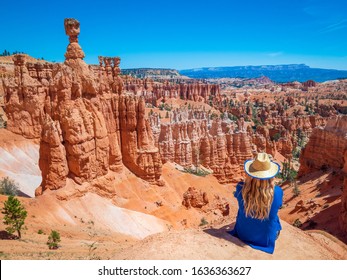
{"x": 86, "y": 124}
{"x": 327, "y": 148}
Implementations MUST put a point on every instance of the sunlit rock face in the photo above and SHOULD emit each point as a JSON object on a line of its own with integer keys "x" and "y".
{"x": 86, "y": 124}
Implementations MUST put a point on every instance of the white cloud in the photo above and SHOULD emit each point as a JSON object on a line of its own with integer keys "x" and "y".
{"x": 275, "y": 54}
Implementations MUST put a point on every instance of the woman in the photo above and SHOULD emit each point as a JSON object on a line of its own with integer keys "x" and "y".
{"x": 257, "y": 222}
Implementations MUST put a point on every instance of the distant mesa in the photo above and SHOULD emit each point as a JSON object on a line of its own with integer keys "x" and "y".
{"x": 277, "y": 73}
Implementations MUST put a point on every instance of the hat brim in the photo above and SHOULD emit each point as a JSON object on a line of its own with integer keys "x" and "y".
{"x": 262, "y": 175}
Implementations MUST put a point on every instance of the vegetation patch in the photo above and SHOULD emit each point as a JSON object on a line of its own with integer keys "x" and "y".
{"x": 203, "y": 222}
{"x": 53, "y": 240}
{"x": 196, "y": 171}
{"x": 14, "y": 216}
{"x": 8, "y": 187}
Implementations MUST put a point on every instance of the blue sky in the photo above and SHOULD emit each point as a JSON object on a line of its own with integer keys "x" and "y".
{"x": 183, "y": 34}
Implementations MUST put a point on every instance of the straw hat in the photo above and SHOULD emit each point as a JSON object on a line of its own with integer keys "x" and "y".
{"x": 261, "y": 167}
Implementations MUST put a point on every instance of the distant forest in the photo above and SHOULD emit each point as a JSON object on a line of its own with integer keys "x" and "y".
{"x": 7, "y": 53}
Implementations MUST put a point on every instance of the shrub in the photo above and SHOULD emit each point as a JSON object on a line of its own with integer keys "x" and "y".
{"x": 40, "y": 231}
{"x": 276, "y": 137}
{"x": 91, "y": 248}
{"x": 297, "y": 223}
{"x": 53, "y": 240}
{"x": 203, "y": 222}
{"x": 3, "y": 123}
{"x": 161, "y": 106}
{"x": 296, "y": 152}
{"x": 196, "y": 171}
{"x": 8, "y": 187}
{"x": 232, "y": 117}
{"x": 14, "y": 215}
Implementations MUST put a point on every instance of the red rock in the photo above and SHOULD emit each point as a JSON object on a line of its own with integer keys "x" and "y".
{"x": 52, "y": 162}
{"x": 325, "y": 147}
{"x": 86, "y": 124}
{"x": 343, "y": 213}
{"x": 138, "y": 150}
{"x": 24, "y": 101}
{"x": 188, "y": 141}
{"x": 194, "y": 198}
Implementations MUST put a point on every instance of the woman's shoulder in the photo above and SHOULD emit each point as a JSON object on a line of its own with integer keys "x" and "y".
{"x": 240, "y": 185}
{"x": 238, "y": 188}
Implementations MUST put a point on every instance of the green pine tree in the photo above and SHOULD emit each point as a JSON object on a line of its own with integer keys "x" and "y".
{"x": 14, "y": 215}
{"x": 53, "y": 240}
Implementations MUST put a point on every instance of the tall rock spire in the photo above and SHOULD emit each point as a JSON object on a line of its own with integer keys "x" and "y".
{"x": 72, "y": 29}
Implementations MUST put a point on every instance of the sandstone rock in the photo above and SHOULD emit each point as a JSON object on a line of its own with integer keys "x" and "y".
{"x": 326, "y": 146}
{"x": 194, "y": 198}
{"x": 24, "y": 101}
{"x": 138, "y": 150}
{"x": 222, "y": 205}
{"x": 86, "y": 124}
{"x": 52, "y": 161}
{"x": 343, "y": 213}
{"x": 153, "y": 92}
{"x": 72, "y": 29}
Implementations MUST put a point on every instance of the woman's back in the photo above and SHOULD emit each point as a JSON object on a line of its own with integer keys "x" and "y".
{"x": 258, "y": 233}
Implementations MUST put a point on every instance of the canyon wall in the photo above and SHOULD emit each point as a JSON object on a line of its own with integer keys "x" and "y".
{"x": 192, "y": 138}
{"x": 343, "y": 215}
{"x": 155, "y": 92}
{"x": 327, "y": 148}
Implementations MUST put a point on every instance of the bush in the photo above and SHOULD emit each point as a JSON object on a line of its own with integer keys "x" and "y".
{"x": 297, "y": 223}
{"x": 14, "y": 215}
{"x": 53, "y": 240}
{"x": 203, "y": 222}
{"x": 276, "y": 137}
{"x": 296, "y": 153}
{"x": 196, "y": 171}
{"x": 40, "y": 231}
{"x": 161, "y": 106}
{"x": 288, "y": 173}
{"x": 3, "y": 123}
{"x": 8, "y": 187}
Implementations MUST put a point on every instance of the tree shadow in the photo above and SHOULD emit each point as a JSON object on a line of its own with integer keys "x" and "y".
{"x": 4, "y": 235}
{"x": 223, "y": 233}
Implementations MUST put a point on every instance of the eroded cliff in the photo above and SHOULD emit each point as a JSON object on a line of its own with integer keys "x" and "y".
{"x": 86, "y": 124}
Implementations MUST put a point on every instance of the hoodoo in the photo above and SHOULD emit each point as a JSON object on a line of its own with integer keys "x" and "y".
{"x": 86, "y": 123}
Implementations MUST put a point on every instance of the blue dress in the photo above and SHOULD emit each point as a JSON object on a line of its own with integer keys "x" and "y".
{"x": 259, "y": 234}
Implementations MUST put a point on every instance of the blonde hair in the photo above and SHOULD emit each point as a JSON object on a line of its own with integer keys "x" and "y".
{"x": 257, "y": 196}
